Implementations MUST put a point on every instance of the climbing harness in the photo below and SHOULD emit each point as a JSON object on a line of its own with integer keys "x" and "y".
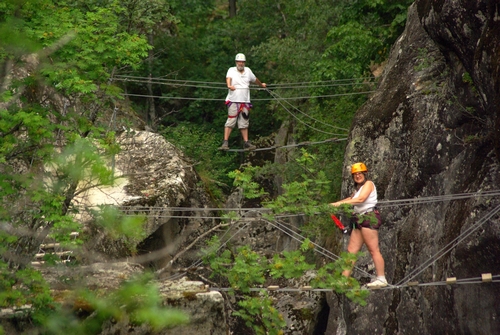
{"x": 239, "y": 106}
{"x": 339, "y": 224}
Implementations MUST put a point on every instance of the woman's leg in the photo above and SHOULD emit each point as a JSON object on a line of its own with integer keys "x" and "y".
{"x": 370, "y": 237}
{"x": 355, "y": 244}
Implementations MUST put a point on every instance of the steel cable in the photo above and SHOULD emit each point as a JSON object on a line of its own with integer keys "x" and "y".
{"x": 448, "y": 247}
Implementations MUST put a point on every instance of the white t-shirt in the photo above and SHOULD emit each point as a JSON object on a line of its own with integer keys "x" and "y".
{"x": 241, "y": 81}
{"x": 370, "y": 202}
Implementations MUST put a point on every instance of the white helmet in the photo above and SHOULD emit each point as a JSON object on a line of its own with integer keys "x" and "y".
{"x": 240, "y": 58}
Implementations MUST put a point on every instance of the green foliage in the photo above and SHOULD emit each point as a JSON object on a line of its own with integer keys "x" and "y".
{"x": 291, "y": 264}
{"x": 24, "y": 287}
{"x": 245, "y": 269}
{"x": 80, "y": 161}
{"x": 200, "y": 145}
{"x": 147, "y": 17}
{"x": 243, "y": 179}
{"x": 128, "y": 229}
{"x": 88, "y": 41}
{"x": 307, "y": 191}
{"x": 137, "y": 300}
{"x": 218, "y": 263}
{"x": 49, "y": 155}
{"x": 49, "y": 194}
{"x": 14, "y": 42}
{"x": 259, "y": 314}
{"x": 350, "y": 52}
{"x": 330, "y": 276}
{"x": 34, "y": 124}
{"x": 467, "y": 79}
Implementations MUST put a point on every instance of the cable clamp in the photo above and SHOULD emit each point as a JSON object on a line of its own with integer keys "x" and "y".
{"x": 486, "y": 277}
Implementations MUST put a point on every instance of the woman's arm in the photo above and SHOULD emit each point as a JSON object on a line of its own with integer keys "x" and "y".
{"x": 363, "y": 195}
{"x": 338, "y": 203}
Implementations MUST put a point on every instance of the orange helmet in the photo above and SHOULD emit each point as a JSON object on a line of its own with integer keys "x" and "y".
{"x": 358, "y": 167}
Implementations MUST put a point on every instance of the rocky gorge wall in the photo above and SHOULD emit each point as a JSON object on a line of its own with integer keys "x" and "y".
{"x": 433, "y": 128}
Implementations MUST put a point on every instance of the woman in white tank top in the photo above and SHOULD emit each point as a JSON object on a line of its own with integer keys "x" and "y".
{"x": 364, "y": 200}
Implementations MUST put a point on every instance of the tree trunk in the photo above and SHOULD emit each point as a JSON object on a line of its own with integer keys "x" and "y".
{"x": 232, "y": 8}
{"x": 151, "y": 114}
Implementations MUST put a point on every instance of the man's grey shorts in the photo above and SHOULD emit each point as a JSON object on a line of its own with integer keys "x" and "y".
{"x": 234, "y": 117}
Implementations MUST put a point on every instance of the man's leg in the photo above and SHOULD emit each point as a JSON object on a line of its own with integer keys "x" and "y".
{"x": 246, "y": 143}
{"x": 225, "y": 143}
{"x": 227, "y": 132}
{"x": 243, "y": 126}
{"x": 228, "y": 126}
{"x": 244, "y": 134}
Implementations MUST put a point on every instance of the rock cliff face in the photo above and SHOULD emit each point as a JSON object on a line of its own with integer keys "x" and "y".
{"x": 432, "y": 129}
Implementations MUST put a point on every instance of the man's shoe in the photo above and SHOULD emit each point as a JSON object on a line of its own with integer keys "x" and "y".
{"x": 224, "y": 146}
{"x": 249, "y": 146}
{"x": 377, "y": 283}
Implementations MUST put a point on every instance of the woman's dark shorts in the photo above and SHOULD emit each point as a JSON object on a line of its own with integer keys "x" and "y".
{"x": 373, "y": 223}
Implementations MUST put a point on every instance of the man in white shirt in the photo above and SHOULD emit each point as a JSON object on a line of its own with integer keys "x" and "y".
{"x": 238, "y": 79}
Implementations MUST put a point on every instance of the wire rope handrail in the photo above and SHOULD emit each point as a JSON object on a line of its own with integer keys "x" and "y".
{"x": 445, "y": 197}
{"x": 383, "y": 203}
{"x": 222, "y": 86}
{"x": 253, "y": 99}
{"x": 306, "y": 288}
{"x": 200, "y": 261}
{"x": 278, "y": 97}
{"x": 443, "y": 251}
{"x": 221, "y": 83}
{"x": 301, "y": 121}
{"x": 322, "y": 251}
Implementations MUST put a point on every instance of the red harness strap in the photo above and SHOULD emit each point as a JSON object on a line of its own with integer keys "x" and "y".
{"x": 240, "y": 106}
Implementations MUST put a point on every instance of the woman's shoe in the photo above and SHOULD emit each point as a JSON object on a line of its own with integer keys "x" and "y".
{"x": 377, "y": 283}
